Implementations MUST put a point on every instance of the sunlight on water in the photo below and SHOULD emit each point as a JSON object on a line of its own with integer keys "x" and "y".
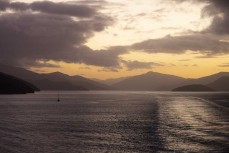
{"x": 192, "y": 124}
{"x": 114, "y": 122}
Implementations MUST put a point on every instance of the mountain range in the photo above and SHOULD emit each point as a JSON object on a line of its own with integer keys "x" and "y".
{"x": 150, "y": 81}
{"x": 221, "y": 84}
{"x": 164, "y": 82}
{"x": 54, "y": 81}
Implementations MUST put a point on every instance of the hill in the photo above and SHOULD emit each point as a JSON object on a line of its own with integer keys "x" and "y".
{"x": 207, "y": 79}
{"x": 221, "y": 84}
{"x": 12, "y": 85}
{"x": 53, "y": 81}
{"x": 149, "y": 81}
{"x": 193, "y": 88}
{"x": 76, "y": 80}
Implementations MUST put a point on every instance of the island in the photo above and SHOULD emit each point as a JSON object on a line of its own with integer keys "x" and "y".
{"x": 194, "y": 88}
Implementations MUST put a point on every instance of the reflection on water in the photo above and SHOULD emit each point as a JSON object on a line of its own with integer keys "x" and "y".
{"x": 114, "y": 122}
{"x": 190, "y": 124}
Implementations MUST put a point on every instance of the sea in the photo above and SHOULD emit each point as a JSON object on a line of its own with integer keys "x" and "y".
{"x": 114, "y": 122}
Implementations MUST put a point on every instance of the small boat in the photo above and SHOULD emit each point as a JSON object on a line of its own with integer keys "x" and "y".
{"x": 58, "y": 98}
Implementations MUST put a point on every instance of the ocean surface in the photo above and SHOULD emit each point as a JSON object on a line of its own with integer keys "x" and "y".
{"x": 111, "y": 121}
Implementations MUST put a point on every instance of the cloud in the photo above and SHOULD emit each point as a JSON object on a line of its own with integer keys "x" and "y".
{"x": 184, "y": 60}
{"x": 224, "y": 65}
{"x": 39, "y": 64}
{"x": 45, "y": 30}
{"x": 70, "y": 9}
{"x": 28, "y": 36}
{"x": 109, "y": 57}
{"x": 109, "y": 69}
{"x": 3, "y": 4}
{"x": 195, "y": 65}
{"x": 203, "y": 43}
{"x": 63, "y": 8}
{"x": 19, "y": 6}
{"x": 219, "y": 10}
{"x": 131, "y": 65}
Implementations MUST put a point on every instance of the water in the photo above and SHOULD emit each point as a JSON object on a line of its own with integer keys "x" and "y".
{"x": 114, "y": 122}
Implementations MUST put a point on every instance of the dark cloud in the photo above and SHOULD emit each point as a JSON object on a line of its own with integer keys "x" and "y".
{"x": 19, "y": 6}
{"x": 63, "y": 8}
{"x": 105, "y": 58}
{"x": 202, "y": 43}
{"x": 28, "y": 36}
{"x": 94, "y": 3}
{"x": 4, "y": 4}
{"x": 70, "y": 9}
{"x": 131, "y": 65}
{"x": 53, "y": 34}
{"x": 219, "y": 9}
{"x": 38, "y": 64}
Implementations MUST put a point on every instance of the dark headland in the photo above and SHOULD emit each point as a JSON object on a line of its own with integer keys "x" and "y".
{"x": 12, "y": 85}
{"x": 194, "y": 88}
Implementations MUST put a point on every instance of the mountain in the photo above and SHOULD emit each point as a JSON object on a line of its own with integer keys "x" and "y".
{"x": 19, "y": 72}
{"x": 76, "y": 80}
{"x": 53, "y": 81}
{"x": 207, "y": 79}
{"x": 149, "y": 81}
{"x": 12, "y": 85}
{"x": 46, "y": 84}
{"x": 203, "y": 80}
{"x": 194, "y": 88}
{"x": 221, "y": 84}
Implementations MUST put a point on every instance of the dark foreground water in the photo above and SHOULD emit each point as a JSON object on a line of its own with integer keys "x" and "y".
{"x": 114, "y": 122}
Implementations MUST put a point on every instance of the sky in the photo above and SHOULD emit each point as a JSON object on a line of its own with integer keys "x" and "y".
{"x": 116, "y": 38}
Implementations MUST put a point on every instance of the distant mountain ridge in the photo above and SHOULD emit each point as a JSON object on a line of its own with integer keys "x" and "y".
{"x": 149, "y": 81}
{"x": 221, "y": 84}
{"x": 53, "y": 81}
{"x": 76, "y": 80}
{"x": 207, "y": 79}
{"x": 163, "y": 82}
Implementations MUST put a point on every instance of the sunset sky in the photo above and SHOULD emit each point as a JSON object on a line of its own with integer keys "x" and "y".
{"x": 115, "y": 38}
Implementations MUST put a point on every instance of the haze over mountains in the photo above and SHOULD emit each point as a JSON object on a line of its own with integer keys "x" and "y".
{"x": 151, "y": 81}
